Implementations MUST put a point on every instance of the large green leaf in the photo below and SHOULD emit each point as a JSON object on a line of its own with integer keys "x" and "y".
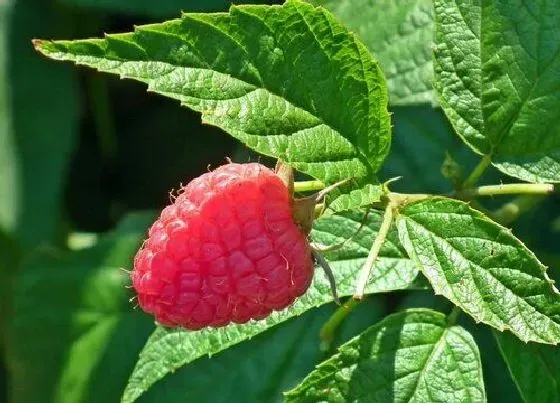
{"x": 400, "y": 34}
{"x": 169, "y": 349}
{"x": 535, "y": 368}
{"x": 260, "y": 369}
{"x": 481, "y": 267}
{"x": 38, "y": 123}
{"x": 409, "y": 356}
{"x": 496, "y": 66}
{"x": 289, "y": 81}
{"x": 73, "y": 335}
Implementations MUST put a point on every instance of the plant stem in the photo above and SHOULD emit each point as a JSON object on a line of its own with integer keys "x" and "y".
{"x": 328, "y": 330}
{"x": 308, "y": 186}
{"x": 507, "y": 189}
{"x": 477, "y": 172}
{"x": 363, "y": 275}
{"x": 510, "y": 211}
{"x": 452, "y": 317}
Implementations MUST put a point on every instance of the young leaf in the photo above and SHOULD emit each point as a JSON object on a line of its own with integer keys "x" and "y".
{"x": 481, "y": 267}
{"x": 409, "y": 356}
{"x": 496, "y": 72}
{"x": 167, "y": 350}
{"x": 535, "y": 368}
{"x": 73, "y": 335}
{"x": 289, "y": 81}
{"x": 400, "y": 35}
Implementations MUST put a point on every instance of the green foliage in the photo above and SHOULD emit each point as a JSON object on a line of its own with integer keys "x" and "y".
{"x": 291, "y": 82}
{"x": 170, "y": 349}
{"x": 37, "y": 129}
{"x": 414, "y": 355}
{"x": 481, "y": 267}
{"x": 264, "y": 93}
{"x": 72, "y": 321}
{"x": 534, "y": 367}
{"x": 500, "y": 91}
{"x": 400, "y": 35}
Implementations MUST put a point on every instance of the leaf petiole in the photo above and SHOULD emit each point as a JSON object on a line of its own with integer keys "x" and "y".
{"x": 326, "y": 334}
{"x": 507, "y": 189}
{"x": 365, "y": 272}
{"x": 477, "y": 172}
{"x": 308, "y": 186}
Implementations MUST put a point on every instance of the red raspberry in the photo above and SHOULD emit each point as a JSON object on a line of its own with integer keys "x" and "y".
{"x": 226, "y": 250}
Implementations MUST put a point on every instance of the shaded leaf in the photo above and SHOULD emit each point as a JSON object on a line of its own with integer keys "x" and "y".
{"x": 481, "y": 267}
{"x": 260, "y": 369}
{"x": 73, "y": 335}
{"x": 261, "y": 73}
{"x": 495, "y": 87}
{"x": 400, "y": 34}
{"x": 38, "y": 123}
{"x": 170, "y": 349}
{"x": 409, "y": 356}
{"x": 535, "y": 368}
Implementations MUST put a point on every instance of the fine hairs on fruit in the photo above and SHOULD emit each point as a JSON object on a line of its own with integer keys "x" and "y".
{"x": 228, "y": 249}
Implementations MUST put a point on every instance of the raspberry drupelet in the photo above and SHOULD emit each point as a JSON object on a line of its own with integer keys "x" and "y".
{"x": 226, "y": 250}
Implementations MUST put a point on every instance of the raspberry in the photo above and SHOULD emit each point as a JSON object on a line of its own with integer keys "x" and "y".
{"x": 226, "y": 250}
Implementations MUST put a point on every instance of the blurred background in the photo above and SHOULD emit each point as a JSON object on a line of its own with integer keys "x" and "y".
{"x": 87, "y": 159}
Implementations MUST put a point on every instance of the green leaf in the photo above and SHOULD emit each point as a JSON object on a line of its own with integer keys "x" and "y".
{"x": 260, "y": 369}
{"x": 170, "y": 349}
{"x": 73, "y": 335}
{"x": 400, "y": 35}
{"x": 535, "y": 368}
{"x": 409, "y": 356}
{"x": 481, "y": 267}
{"x": 262, "y": 74}
{"x": 496, "y": 72}
{"x": 37, "y": 127}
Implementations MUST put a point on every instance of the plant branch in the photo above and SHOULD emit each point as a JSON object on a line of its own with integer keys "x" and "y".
{"x": 363, "y": 275}
{"x": 507, "y": 189}
{"x": 308, "y": 186}
{"x": 326, "y": 334}
{"x": 452, "y": 317}
{"x": 477, "y": 172}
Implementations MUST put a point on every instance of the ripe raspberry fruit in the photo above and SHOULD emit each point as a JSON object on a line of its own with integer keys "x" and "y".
{"x": 226, "y": 250}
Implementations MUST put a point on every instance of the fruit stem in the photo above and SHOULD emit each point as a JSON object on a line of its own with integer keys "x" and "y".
{"x": 477, "y": 172}
{"x": 365, "y": 272}
{"x": 308, "y": 186}
{"x": 326, "y": 334}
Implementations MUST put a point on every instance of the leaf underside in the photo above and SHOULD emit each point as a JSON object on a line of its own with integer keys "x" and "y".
{"x": 496, "y": 70}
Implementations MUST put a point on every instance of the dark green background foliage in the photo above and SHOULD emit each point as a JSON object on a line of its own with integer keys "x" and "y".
{"x": 87, "y": 159}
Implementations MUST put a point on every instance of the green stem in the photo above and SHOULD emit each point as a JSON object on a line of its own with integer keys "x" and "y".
{"x": 308, "y": 186}
{"x": 452, "y": 317}
{"x": 510, "y": 211}
{"x": 328, "y": 330}
{"x": 507, "y": 189}
{"x": 477, "y": 172}
{"x": 365, "y": 272}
